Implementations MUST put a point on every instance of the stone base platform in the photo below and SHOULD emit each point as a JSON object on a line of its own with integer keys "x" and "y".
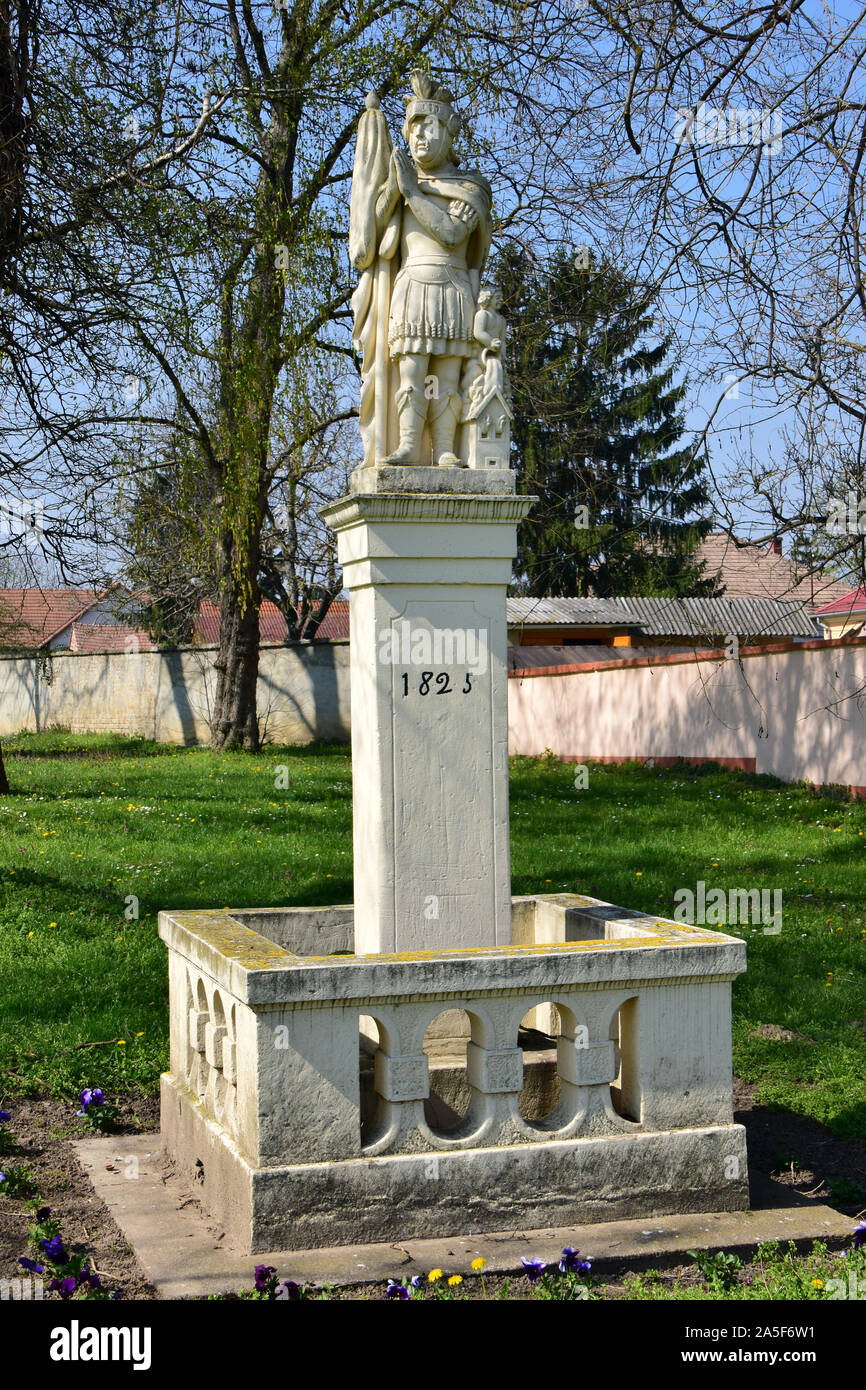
{"x": 186, "y": 1255}
{"x": 402, "y": 1196}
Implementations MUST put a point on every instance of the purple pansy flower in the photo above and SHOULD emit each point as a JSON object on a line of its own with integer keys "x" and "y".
{"x": 31, "y": 1265}
{"x": 97, "y": 1095}
{"x": 86, "y": 1096}
{"x": 860, "y": 1236}
{"x": 534, "y": 1268}
{"x": 396, "y": 1290}
{"x": 288, "y": 1289}
{"x": 263, "y": 1274}
{"x": 570, "y": 1264}
{"x": 43, "y": 1213}
{"x": 4, "y": 1116}
{"x": 54, "y": 1249}
{"x": 64, "y": 1287}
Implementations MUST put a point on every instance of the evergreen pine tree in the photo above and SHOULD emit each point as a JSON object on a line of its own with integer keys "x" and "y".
{"x": 597, "y": 421}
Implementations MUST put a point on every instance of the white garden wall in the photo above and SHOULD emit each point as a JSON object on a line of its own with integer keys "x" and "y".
{"x": 796, "y": 711}
{"x": 303, "y": 693}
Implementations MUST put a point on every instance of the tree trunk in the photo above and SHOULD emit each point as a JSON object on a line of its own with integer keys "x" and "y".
{"x": 235, "y": 721}
{"x": 4, "y": 781}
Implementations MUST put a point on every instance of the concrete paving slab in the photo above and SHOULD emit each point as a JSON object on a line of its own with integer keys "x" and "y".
{"x": 185, "y": 1255}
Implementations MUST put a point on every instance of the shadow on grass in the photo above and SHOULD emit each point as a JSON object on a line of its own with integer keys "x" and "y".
{"x": 796, "y": 1161}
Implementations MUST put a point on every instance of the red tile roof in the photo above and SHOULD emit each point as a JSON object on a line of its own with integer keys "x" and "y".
{"x": 32, "y": 617}
{"x": 759, "y": 571}
{"x": 852, "y": 602}
{"x": 106, "y": 637}
{"x": 335, "y": 624}
{"x": 272, "y": 624}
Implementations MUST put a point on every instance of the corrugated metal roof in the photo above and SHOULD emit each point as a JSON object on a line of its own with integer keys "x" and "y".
{"x": 709, "y": 617}
{"x": 670, "y": 617}
{"x": 575, "y": 612}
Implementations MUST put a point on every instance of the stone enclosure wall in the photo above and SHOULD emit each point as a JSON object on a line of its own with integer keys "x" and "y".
{"x": 303, "y": 693}
{"x": 796, "y": 711}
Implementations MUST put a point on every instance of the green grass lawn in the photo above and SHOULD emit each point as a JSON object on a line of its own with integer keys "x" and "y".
{"x": 99, "y": 827}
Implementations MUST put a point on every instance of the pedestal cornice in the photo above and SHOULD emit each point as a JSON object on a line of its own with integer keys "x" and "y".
{"x": 425, "y": 507}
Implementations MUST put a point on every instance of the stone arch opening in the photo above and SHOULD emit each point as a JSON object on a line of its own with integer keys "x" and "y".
{"x": 445, "y": 1041}
{"x": 372, "y": 1106}
{"x": 625, "y": 1092}
{"x": 537, "y": 1037}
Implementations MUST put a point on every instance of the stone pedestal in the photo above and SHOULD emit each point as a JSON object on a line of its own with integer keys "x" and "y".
{"x": 438, "y": 1055}
{"x": 426, "y": 556}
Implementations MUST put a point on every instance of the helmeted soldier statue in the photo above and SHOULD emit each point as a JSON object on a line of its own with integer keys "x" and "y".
{"x": 421, "y": 234}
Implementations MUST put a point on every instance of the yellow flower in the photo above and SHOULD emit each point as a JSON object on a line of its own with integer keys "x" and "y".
{"x": 479, "y": 1263}
{"x": 455, "y": 1279}
{"x": 52, "y": 924}
{"x": 434, "y": 1275}
{"x": 817, "y": 1283}
{"x": 121, "y": 1042}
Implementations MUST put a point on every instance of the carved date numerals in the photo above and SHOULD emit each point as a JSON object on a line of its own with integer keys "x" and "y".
{"x": 436, "y": 683}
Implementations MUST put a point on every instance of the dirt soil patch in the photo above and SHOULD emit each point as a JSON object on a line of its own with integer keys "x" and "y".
{"x": 42, "y": 1130}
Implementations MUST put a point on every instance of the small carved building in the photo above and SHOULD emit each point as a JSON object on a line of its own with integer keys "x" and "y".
{"x": 488, "y": 430}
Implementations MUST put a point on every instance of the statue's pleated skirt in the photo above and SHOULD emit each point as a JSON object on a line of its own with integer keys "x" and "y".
{"x": 432, "y": 311}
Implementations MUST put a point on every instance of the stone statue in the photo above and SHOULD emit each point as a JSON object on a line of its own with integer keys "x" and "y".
{"x": 485, "y": 370}
{"x": 420, "y": 235}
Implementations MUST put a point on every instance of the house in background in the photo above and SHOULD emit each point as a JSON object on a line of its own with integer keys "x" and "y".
{"x": 765, "y": 599}
{"x": 563, "y": 631}
{"x": 43, "y": 619}
{"x": 845, "y": 616}
{"x": 90, "y": 620}
{"x": 762, "y": 571}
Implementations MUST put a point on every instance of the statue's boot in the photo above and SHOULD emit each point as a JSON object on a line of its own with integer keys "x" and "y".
{"x": 444, "y": 418}
{"x": 411, "y": 420}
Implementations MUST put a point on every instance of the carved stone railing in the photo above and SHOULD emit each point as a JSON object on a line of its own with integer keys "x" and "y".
{"x": 303, "y": 1079}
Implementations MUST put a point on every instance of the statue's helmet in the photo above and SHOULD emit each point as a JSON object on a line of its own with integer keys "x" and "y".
{"x": 428, "y": 99}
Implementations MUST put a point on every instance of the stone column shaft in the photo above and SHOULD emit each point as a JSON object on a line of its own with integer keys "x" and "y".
{"x": 426, "y": 556}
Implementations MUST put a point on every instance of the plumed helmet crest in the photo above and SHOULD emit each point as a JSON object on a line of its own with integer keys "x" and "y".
{"x": 427, "y": 98}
